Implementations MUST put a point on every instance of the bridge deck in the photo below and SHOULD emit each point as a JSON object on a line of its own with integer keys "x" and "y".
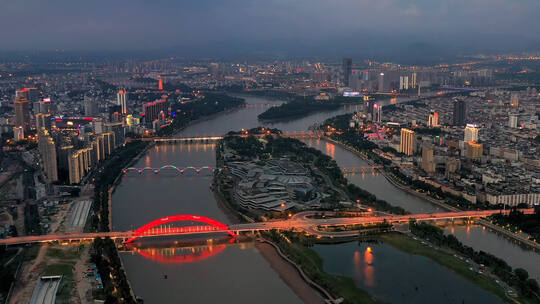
{"x": 304, "y": 223}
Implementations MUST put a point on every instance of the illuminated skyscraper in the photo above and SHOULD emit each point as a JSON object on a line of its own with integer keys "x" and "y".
{"x": 471, "y": 133}
{"x": 47, "y": 151}
{"x": 381, "y": 87}
{"x": 377, "y": 113}
{"x": 22, "y": 112}
{"x": 407, "y": 141}
{"x": 121, "y": 100}
{"x": 514, "y": 100}
{"x": 151, "y": 110}
{"x": 43, "y": 121}
{"x": 428, "y": 162}
{"x": 473, "y": 150}
{"x": 160, "y": 83}
{"x": 347, "y": 71}
{"x": 414, "y": 81}
{"x": 433, "y": 120}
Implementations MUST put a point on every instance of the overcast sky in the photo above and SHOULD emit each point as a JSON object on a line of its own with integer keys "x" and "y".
{"x": 149, "y": 24}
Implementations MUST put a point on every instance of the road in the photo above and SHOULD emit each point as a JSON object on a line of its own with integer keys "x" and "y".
{"x": 45, "y": 291}
{"x": 301, "y": 221}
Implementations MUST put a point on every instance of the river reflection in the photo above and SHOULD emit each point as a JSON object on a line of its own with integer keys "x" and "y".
{"x": 398, "y": 277}
{"x": 481, "y": 238}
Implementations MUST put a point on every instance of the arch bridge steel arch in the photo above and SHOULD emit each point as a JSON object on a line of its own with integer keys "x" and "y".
{"x": 215, "y": 226}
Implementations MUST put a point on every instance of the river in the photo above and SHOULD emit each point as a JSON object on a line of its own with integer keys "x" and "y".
{"x": 236, "y": 273}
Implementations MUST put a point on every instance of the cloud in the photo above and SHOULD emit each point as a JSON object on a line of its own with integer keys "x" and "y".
{"x": 147, "y": 24}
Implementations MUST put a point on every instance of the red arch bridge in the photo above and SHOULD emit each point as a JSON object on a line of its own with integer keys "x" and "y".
{"x": 180, "y": 170}
{"x": 301, "y": 221}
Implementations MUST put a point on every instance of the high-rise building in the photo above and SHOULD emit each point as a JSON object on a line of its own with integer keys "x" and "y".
{"x": 160, "y": 83}
{"x": 43, "y": 121}
{"x": 406, "y": 145}
{"x": 118, "y": 129}
{"x": 460, "y": 112}
{"x": 381, "y": 86}
{"x": 471, "y": 133}
{"x": 32, "y": 94}
{"x": 514, "y": 100}
{"x": 47, "y": 151}
{"x": 433, "y": 120}
{"x": 45, "y": 105}
{"x": 414, "y": 80}
{"x": 377, "y": 113}
{"x": 121, "y": 100}
{"x": 151, "y": 110}
{"x": 428, "y": 162}
{"x": 18, "y": 133}
{"x": 347, "y": 71}
{"x": 473, "y": 150}
{"x": 22, "y": 112}
{"x": 512, "y": 121}
{"x": 90, "y": 107}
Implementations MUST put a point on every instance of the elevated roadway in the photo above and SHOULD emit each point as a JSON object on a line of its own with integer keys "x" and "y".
{"x": 301, "y": 221}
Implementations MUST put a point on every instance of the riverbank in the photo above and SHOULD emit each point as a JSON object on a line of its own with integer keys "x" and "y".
{"x": 528, "y": 243}
{"x": 289, "y": 274}
{"x": 451, "y": 261}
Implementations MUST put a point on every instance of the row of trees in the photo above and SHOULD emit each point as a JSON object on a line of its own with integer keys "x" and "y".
{"x": 104, "y": 253}
{"x": 529, "y": 223}
{"x": 518, "y": 278}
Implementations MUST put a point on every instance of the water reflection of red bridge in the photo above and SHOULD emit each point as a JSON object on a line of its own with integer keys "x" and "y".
{"x": 179, "y": 255}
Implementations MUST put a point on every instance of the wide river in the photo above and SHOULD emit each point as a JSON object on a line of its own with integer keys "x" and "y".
{"x": 238, "y": 273}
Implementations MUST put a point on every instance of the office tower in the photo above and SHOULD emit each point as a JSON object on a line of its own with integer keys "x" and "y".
{"x": 160, "y": 83}
{"x": 473, "y": 150}
{"x": 471, "y": 133}
{"x": 90, "y": 107}
{"x": 428, "y": 162}
{"x": 31, "y": 94}
{"x": 460, "y": 112}
{"x": 47, "y": 151}
{"x": 18, "y": 133}
{"x": 377, "y": 113}
{"x": 512, "y": 121}
{"x": 118, "y": 129}
{"x": 433, "y": 120}
{"x": 45, "y": 105}
{"x": 369, "y": 108}
{"x": 414, "y": 80}
{"x": 22, "y": 112}
{"x": 406, "y": 145}
{"x": 347, "y": 70}
{"x": 43, "y": 121}
{"x": 121, "y": 100}
{"x": 365, "y": 75}
{"x": 405, "y": 82}
{"x": 514, "y": 100}
{"x": 401, "y": 81}
{"x": 381, "y": 87}
{"x": 75, "y": 168}
{"x": 151, "y": 110}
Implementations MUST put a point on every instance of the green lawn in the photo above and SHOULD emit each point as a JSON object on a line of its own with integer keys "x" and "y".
{"x": 63, "y": 253}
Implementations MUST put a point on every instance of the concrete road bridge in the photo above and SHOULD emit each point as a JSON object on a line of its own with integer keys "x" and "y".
{"x": 204, "y": 225}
